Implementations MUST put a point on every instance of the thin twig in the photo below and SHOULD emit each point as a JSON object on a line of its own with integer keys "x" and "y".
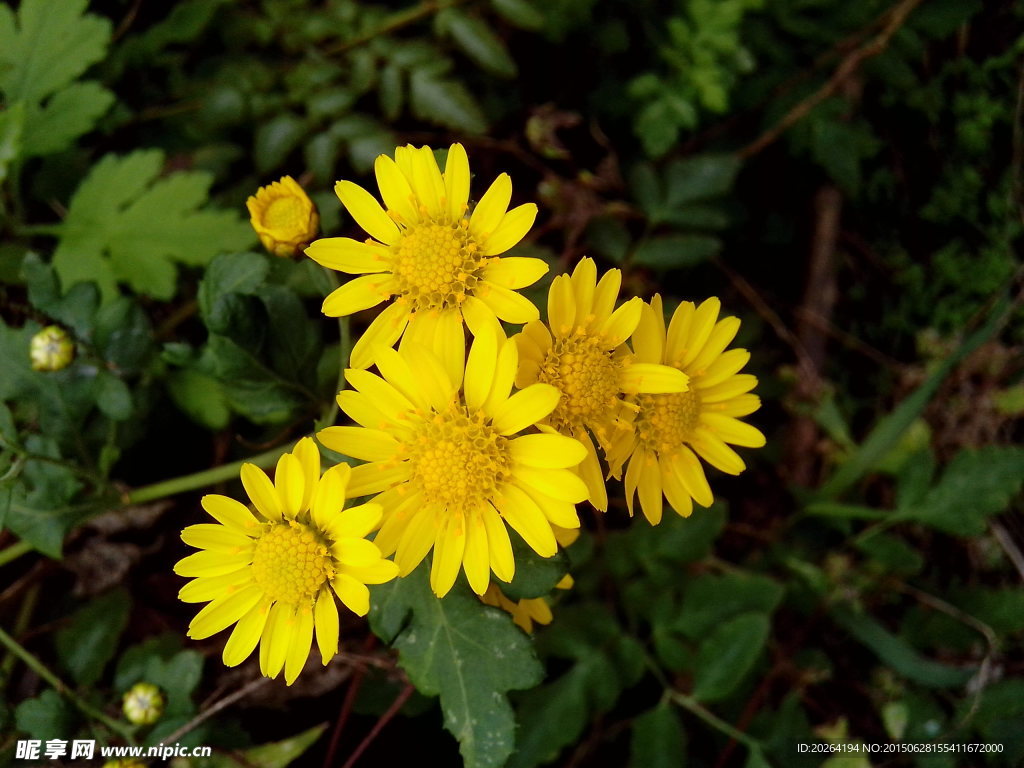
{"x": 384, "y": 719}
{"x": 396, "y": 22}
{"x": 343, "y": 715}
{"x": 846, "y": 68}
{"x": 1008, "y": 546}
{"x": 216, "y": 707}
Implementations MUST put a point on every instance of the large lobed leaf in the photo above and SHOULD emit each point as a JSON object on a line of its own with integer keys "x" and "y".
{"x": 468, "y": 653}
{"x": 124, "y": 225}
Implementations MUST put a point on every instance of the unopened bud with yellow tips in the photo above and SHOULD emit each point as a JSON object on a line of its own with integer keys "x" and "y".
{"x": 284, "y": 217}
{"x": 51, "y": 349}
{"x": 143, "y": 704}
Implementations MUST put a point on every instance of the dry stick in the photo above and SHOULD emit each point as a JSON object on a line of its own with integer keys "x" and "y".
{"x": 343, "y": 715}
{"x": 846, "y": 68}
{"x": 384, "y": 719}
{"x": 1009, "y": 547}
{"x": 216, "y": 707}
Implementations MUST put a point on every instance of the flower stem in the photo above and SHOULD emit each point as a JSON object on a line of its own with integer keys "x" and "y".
{"x": 121, "y": 729}
{"x": 13, "y": 552}
{"x": 692, "y": 705}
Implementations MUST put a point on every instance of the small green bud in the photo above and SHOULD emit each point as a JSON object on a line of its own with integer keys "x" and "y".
{"x": 51, "y": 349}
{"x": 143, "y": 704}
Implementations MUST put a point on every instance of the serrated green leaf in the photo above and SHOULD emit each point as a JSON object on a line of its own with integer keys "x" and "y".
{"x": 728, "y": 654}
{"x": 975, "y": 485}
{"x": 676, "y": 251}
{"x": 469, "y": 654}
{"x": 47, "y": 716}
{"x": 658, "y": 739}
{"x": 47, "y": 46}
{"x": 68, "y": 114}
{"x": 710, "y": 600}
{"x": 125, "y": 225}
{"x": 445, "y": 102}
{"x": 90, "y": 640}
{"x": 478, "y": 42}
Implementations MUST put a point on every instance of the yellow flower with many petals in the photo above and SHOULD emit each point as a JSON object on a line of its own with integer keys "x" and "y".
{"x": 584, "y": 356}
{"x": 672, "y": 430}
{"x": 272, "y": 573}
{"x": 449, "y": 463}
{"x": 283, "y": 216}
{"x": 440, "y": 262}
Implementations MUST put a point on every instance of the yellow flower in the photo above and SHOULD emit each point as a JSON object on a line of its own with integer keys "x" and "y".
{"x": 585, "y": 357}
{"x": 526, "y": 611}
{"x": 143, "y": 704}
{"x": 449, "y": 463}
{"x": 51, "y": 349}
{"x": 671, "y": 430}
{"x": 283, "y": 216}
{"x": 439, "y": 262}
{"x": 272, "y": 572}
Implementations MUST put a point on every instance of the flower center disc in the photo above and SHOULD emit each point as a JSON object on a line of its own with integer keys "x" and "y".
{"x": 586, "y": 375}
{"x": 667, "y": 421}
{"x": 436, "y": 265}
{"x": 284, "y": 213}
{"x": 458, "y": 460}
{"x": 291, "y": 563}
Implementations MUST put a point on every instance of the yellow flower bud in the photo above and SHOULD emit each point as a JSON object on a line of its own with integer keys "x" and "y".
{"x": 143, "y": 704}
{"x": 283, "y": 216}
{"x": 51, "y": 349}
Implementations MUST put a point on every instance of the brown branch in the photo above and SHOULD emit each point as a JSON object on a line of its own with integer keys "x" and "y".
{"x": 847, "y": 67}
{"x": 382, "y": 721}
{"x": 217, "y": 706}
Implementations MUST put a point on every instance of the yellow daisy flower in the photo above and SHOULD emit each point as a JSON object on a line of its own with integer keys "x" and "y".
{"x": 672, "y": 430}
{"x": 272, "y": 573}
{"x": 439, "y": 261}
{"x": 449, "y": 463}
{"x": 585, "y": 357}
{"x": 283, "y": 216}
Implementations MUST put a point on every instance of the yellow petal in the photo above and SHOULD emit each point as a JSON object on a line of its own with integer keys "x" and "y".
{"x": 208, "y": 588}
{"x": 561, "y": 305}
{"x": 514, "y": 272}
{"x": 480, "y": 318}
{"x": 325, "y": 618}
{"x": 690, "y": 472}
{"x": 309, "y": 458}
{"x": 622, "y": 322}
{"x": 376, "y": 477}
{"x": 396, "y": 371}
{"x": 722, "y": 334}
{"x": 212, "y": 563}
{"x": 379, "y": 572}
{"x": 456, "y": 181}
{"x": 358, "y": 294}
{"x": 584, "y": 282}
{"x": 491, "y": 208}
{"x": 559, "y": 513}
{"x": 525, "y": 518}
{"x": 648, "y": 343}
{"x": 355, "y": 596}
{"x": 278, "y": 637}
{"x": 385, "y": 398}
{"x": 513, "y": 228}
{"x": 739, "y": 384}
{"x": 427, "y": 181}
{"x": 217, "y": 537}
{"x": 361, "y": 410}
{"x": 499, "y": 548}
{"x": 632, "y": 478}
{"x": 450, "y": 345}
{"x": 395, "y": 190}
{"x": 703, "y": 324}
{"x": 245, "y": 635}
{"x": 329, "y": 496}
{"x": 434, "y": 379}
{"x": 357, "y": 522}
{"x": 716, "y": 453}
{"x": 558, "y": 483}
{"x": 359, "y": 442}
{"x": 353, "y": 551}
{"x": 741, "y": 405}
{"x": 679, "y": 331}
{"x": 507, "y": 305}
{"x": 290, "y": 483}
{"x": 347, "y": 255}
{"x": 649, "y": 486}
{"x": 367, "y": 212}
{"x": 223, "y": 612}
{"x": 261, "y": 491}
{"x": 231, "y": 513}
{"x": 606, "y": 294}
{"x": 475, "y": 559}
{"x": 651, "y": 378}
{"x": 382, "y": 333}
{"x": 417, "y": 539}
{"x": 449, "y": 547}
{"x": 590, "y": 473}
{"x": 504, "y": 374}
{"x": 724, "y": 366}
{"x": 547, "y": 451}
{"x": 733, "y": 431}
{"x": 675, "y": 491}
{"x": 480, "y": 369}
{"x": 298, "y": 648}
{"x": 524, "y": 408}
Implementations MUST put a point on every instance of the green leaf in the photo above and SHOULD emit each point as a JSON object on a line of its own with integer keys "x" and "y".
{"x": 68, "y": 114}
{"x": 90, "y": 640}
{"x": 609, "y": 238}
{"x": 710, "y": 600}
{"x": 658, "y": 739}
{"x": 12, "y": 125}
{"x": 123, "y": 335}
{"x": 975, "y": 485}
{"x": 47, "y": 47}
{"x": 728, "y": 654}
{"x": 892, "y": 553}
{"x": 276, "y": 139}
{"x": 676, "y": 251}
{"x": 47, "y": 716}
{"x": 657, "y": 126}
{"x": 897, "y": 653}
{"x": 200, "y": 397}
{"x": 535, "y": 576}
{"x": 522, "y": 13}
{"x": 126, "y": 225}
{"x": 478, "y": 42}
{"x": 698, "y": 178}
{"x": 113, "y": 396}
{"x": 229, "y": 274}
{"x": 76, "y": 310}
{"x": 466, "y": 652}
{"x": 445, "y": 102}
{"x": 276, "y": 754}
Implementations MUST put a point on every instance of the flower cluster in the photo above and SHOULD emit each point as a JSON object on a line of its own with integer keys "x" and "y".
{"x": 463, "y": 433}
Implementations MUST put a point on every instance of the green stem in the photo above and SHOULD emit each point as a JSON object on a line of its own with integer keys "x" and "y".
{"x": 21, "y": 622}
{"x": 202, "y": 479}
{"x": 121, "y": 729}
{"x": 13, "y": 552}
{"x": 692, "y": 705}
